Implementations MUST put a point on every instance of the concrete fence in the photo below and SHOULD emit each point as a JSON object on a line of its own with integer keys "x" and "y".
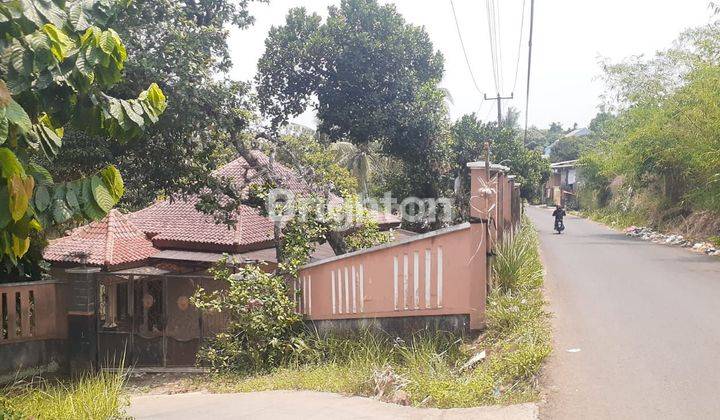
{"x": 33, "y": 329}
{"x": 441, "y": 273}
{"x": 32, "y": 311}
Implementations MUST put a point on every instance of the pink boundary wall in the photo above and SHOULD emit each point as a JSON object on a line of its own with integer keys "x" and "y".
{"x": 444, "y": 272}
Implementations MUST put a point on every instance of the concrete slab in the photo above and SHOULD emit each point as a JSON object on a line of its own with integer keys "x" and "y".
{"x": 280, "y": 405}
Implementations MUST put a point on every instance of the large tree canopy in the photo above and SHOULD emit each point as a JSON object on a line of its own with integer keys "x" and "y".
{"x": 183, "y": 46}
{"x": 365, "y": 70}
{"x": 57, "y": 57}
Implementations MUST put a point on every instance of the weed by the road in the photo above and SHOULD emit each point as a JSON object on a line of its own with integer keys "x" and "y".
{"x": 92, "y": 397}
{"x": 615, "y": 218}
{"x": 431, "y": 366}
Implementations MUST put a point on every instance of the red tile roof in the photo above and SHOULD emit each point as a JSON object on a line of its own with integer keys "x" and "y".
{"x": 176, "y": 224}
{"x": 112, "y": 241}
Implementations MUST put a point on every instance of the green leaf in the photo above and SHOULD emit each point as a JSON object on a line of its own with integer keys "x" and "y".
{"x": 107, "y": 43}
{"x": 51, "y": 12}
{"x": 155, "y": 97}
{"x": 102, "y": 196}
{"x": 76, "y": 15}
{"x": 61, "y": 212}
{"x": 17, "y": 115}
{"x": 42, "y": 176}
{"x": 72, "y": 199}
{"x": 137, "y": 119}
{"x": 61, "y": 44}
{"x": 42, "y": 198}
{"x": 9, "y": 164}
{"x": 20, "y": 193}
{"x": 113, "y": 181}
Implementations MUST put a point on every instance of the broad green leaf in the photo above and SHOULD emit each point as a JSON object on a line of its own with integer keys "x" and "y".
{"x": 61, "y": 44}
{"x": 113, "y": 181}
{"x": 137, "y": 119}
{"x": 155, "y": 97}
{"x": 9, "y": 164}
{"x": 20, "y": 246}
{"x": 42, "y": 198}
{"x": 119, "y": 46}
{"x": 49, "y": 140}
{"x": 17, "y": 115}
{"x": 72, "y": 200}
{"x": 102, "y": 196}
{"x": 107, "y": 43}
{"x": 28, "y": 10}
{"x": 76, "y": 15}
{"x": 93, "y": 212}
{"x": 20, "y": 192}
{"x": 61, "y": 212}
{"x": 51, "y": 12}
{"x": 42, "y": 176}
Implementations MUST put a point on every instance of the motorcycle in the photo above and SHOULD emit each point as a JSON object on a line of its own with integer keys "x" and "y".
{"x": 559, "y": 226}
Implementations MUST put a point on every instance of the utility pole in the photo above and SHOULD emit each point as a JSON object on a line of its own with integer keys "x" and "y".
{"x": 499, "y": 100}
{"x": 527, "y": 95}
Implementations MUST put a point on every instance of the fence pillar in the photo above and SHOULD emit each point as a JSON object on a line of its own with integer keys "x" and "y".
{"x": 82, "y": 317}
{"x": 485, "y": 214}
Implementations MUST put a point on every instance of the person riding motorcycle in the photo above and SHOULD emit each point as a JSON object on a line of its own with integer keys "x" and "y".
{"x": 559, "y": 213}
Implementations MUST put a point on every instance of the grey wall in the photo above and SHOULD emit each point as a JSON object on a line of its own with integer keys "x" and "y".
{"x": 30, "y": 358}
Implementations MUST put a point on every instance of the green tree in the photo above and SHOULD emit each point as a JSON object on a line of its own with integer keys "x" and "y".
{"x": 57, "y": 57}
{"x": 469, "y": 134}
{"x": 374, "y": 77}
{"x": 662, "y": 140}
{"x": 182, "y": 45}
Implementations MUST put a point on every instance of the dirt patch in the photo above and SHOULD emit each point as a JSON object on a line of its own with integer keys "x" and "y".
{"x": 164, "y": 383}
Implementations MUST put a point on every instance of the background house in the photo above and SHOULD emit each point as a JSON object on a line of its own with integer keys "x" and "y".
{"x": 561, "y": 188}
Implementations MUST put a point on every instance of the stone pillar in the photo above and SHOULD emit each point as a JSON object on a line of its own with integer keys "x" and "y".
{"x": 82, "y": 318}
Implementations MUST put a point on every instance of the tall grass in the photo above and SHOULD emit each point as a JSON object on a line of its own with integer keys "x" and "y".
{"x": 516, "y": 342}
{"x": 97, "y": 396}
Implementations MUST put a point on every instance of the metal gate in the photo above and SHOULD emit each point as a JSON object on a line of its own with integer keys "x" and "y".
{"x": 148, "y": 320}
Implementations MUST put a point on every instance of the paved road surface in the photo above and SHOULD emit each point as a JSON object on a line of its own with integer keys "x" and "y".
{"x": 646, "y": 321}
{"x": 290, "y": 405}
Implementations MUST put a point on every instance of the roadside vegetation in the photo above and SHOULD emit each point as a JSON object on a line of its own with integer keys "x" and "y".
{"x": 98, "y": 396}
{"x": 657, "y": 164}
{"x": 500, "y": 366}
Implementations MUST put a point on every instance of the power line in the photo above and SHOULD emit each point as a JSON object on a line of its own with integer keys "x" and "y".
{"x": 498, "y": 40}
{"x": 462, "y": 44}
{"x": 527, "y": 89}
{"x": 490, "y": 8}
{"x": 519, "y": 50}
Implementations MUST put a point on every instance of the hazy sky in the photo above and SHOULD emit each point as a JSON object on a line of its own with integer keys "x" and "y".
{"x": 569, "y": 38}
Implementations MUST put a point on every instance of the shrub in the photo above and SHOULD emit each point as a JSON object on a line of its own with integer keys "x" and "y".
{"x": 263, "y": 328}
{"x": 431, "y": 368}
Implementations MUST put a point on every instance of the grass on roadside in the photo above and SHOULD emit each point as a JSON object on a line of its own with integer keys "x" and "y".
{"x": 615, "y": 218}
{"x": 429, "y": 367}
{"x": 97, "y": 396}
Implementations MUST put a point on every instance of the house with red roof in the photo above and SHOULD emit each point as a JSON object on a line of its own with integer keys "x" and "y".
{"x": 144, "y": 267}
{"x": 175, "y": 231}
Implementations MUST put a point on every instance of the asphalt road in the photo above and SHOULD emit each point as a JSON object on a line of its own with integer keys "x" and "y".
{"x": 636, "y": 326}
